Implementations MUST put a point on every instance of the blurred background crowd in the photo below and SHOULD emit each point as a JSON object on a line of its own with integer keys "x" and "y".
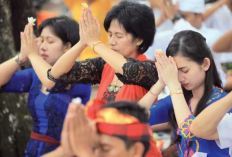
{"x": 15, "y": 125}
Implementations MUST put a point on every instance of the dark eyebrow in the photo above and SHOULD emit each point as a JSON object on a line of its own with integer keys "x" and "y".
{"x": 46, "y": 36}
{"x": 115, "y": 32}
{"x": 104, "y": 144}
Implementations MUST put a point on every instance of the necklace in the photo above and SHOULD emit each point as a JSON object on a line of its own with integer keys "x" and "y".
{"x": 114, "y": 88}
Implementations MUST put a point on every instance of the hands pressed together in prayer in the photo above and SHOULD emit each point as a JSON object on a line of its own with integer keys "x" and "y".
{"x": 29, "y": 44}
{"x": 168, "y": 9}
{"x": 89, "y": 28}
{"x": 167, "y": 69}
{"x": 79, "y": 135}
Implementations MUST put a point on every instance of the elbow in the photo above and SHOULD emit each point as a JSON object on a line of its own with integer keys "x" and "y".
{"x": 202, "y": 132}
{"x": 196, "y": 130}
{"x": 215, "y": 48}
{"x": 49, "y": 84}
{"x": 192, "y": 129}
{"x": 120, "y": 71}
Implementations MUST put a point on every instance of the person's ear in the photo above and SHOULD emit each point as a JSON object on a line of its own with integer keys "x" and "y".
{"x": 139, "y": 42}
{"x": 136, "y": 150}
{"x": 206, "y": 64}
{"x": 67, "y": 46}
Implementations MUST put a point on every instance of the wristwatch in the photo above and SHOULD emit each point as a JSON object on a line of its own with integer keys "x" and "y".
{"x": 176, "y": 18}
{"x": 176, "y": 91}
{"x": 18, "y": 62}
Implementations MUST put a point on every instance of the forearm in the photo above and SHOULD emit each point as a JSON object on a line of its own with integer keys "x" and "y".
{"x": 114, "y": 59}
{"x": 224, "y": 44}
{"x": 66, "y": 61}
{"x": 7, "y": 69}
{"x": 209, "y": 11}
{"x": 151, "y": 95}
{"x": 160, "y": 127}
{"x": 159, "y": 21}
{"x": 41, "y": 67}
{"x": 155, "y": 4}
{"x": 210, "y": 117}
{"x": 179, "y": 104}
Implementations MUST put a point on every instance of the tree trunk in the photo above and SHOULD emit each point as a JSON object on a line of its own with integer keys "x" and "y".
{"x": 15, "y": 121}
{"x": 20, "y": 10}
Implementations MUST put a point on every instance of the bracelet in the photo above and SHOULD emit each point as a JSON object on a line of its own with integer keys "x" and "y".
{"x": 94, "y": 44}
{"x": 18, "y": 62}
{"x": 176, "y": 91}
{"x": 176, "y": 17}
{"x": 50, "y": 77}
{"x": 153, "y": 93}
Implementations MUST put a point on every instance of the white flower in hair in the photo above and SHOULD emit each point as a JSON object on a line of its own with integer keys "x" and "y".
{"x": 31, "y": 20}
{"x": 84, "y": 5}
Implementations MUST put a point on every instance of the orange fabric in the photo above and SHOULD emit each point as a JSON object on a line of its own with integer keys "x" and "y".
{"x": 43, "y": 15}
{"x": 127, "y": 92}
{"x": 99, "y": 9}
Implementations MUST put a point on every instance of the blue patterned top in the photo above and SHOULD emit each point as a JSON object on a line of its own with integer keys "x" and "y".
{"x": 47, "y": 111}
{"x": 188, "y": 144}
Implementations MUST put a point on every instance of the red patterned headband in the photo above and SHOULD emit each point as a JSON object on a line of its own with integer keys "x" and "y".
{"x": 112, "y": 122}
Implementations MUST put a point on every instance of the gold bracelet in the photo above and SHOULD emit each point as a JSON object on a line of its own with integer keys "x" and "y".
{"x": 176, "y": 91}
{"x": 153, "y": 93}
{"x": 95, "y": 43}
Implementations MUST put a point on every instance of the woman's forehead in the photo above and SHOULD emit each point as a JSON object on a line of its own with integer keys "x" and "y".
{"x": 182, "y": 61}
{"x": 116, "y": 26}
{"x": 48, "y": 32}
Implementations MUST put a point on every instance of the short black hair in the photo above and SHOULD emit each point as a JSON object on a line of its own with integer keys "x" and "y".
{"x": 137, "y": 19}
{"x": 133, "y": 109}
{"x": 63, "y": 27}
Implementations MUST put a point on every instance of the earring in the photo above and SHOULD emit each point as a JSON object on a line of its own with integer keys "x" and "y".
{"x": 205, "y": 68}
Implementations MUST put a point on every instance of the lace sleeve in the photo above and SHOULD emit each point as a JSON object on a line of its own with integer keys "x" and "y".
{"x": 141, "y": 73}
{"x": 85, "y": 72}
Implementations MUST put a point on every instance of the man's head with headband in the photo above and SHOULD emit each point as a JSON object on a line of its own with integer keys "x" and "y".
{"x": 118, "y": 129}
{"x": 123, "y": 129}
